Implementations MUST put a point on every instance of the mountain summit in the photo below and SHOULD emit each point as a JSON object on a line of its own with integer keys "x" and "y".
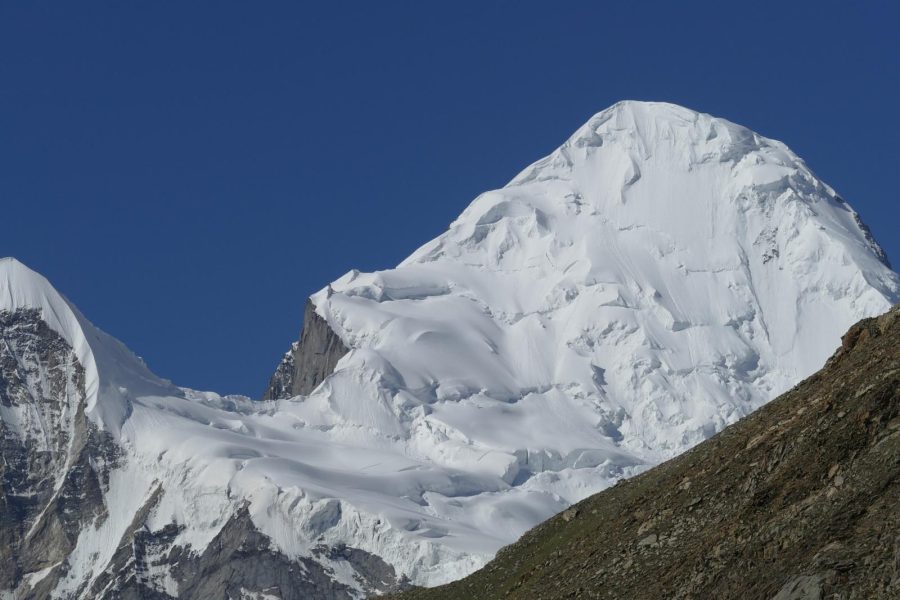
{"x": 656, "y": 278}
{"x": 664, "y": 270}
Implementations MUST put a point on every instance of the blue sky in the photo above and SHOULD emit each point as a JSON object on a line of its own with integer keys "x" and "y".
{"x": 188, "y": 173}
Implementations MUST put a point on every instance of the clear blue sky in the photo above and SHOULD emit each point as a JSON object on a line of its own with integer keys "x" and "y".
{"x": 188, "y": 173}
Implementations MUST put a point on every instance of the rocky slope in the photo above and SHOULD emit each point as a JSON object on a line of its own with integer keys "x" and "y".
{"x": 55, "y": 462}
{"x": 799, "y": 501}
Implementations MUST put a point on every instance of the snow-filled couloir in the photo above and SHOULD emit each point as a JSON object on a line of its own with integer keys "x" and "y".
{"x": 657, "y": 277}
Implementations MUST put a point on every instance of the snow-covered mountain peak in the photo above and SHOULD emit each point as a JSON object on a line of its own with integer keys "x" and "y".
{"x": 658, "y": 253}
{"x": 113, "y": 374}
{"x": 649, "y": 127}
{"x": 20, "y": 287}
{"x": 636, "y": 164}
{"x": 654, "y": 121}
{"x": 657, "y": 277}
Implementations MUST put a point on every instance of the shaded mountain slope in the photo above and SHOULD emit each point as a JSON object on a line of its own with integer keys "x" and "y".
{"x": 800, "y": 500}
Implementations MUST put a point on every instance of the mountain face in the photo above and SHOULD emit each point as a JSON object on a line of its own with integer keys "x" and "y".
{"x": 656, "y": 278}
{"x": 799, "y": 501}
{"x": 309, "y": 361}
{"x": 117, "y": 484}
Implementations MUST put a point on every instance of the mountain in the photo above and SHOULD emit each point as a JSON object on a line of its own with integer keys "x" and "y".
{"x": 117, "y": 484}
{"x": 659, "y": 276}
{"x": 799, "y": 501}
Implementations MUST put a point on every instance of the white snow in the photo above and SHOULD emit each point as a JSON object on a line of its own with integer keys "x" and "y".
{"x": 657, "y": 277}
{"x": 112, "y": 372}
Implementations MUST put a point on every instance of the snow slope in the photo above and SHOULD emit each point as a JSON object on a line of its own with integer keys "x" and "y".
{"x": 112, "y": 372}
{"x": 657, "y": 277}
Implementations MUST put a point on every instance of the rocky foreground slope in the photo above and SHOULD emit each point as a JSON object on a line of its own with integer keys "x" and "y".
{"x": 798, "y": 501}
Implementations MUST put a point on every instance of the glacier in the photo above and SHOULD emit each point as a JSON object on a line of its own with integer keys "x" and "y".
{"x": 659, "y": 276}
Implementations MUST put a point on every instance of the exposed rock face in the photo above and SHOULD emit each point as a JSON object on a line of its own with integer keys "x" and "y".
{"x": 798, "y": 501}
{"x": 56, "y": 463}
{"x": 281, "y": 383}
{"x": 240, "y": 562}
{"x": 309, "y": 361}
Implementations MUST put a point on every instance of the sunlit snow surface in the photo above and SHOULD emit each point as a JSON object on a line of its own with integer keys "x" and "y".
{"x": 656, "y": 278}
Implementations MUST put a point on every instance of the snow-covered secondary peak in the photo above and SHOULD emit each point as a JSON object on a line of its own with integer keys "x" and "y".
{"x": 20, "y": 287}
{"x": 113, "y": 374}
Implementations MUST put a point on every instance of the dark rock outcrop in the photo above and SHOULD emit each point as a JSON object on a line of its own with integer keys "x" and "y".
{"x": 55, "y": 463}
{"x": 239, "y": 563}
{"x": 241, "y": 560}
{"x": 309, "y": 361}
{"x": 798, "y": 501}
